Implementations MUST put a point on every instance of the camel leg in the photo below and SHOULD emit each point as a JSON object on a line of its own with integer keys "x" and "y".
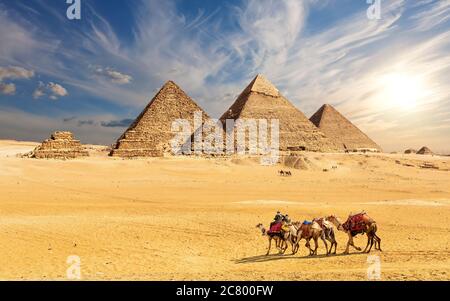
{"x": 270, "y": 243}
{"x": 284, "y": 246}
{"x": 333, "y": 241}
{"x": 308, "y": 245}
{"x": 353, "y": 244}
{"x": 377, "y": 239}
{"x": 369, "y": 240}
{"x": 348, "y": 243}
{"x": 316, "y": 245}
{"x": 326, "y": 245}
{"x": 293, "y": 245}
{"x": 297, "y": 246}
{"x": 371, "y": 243}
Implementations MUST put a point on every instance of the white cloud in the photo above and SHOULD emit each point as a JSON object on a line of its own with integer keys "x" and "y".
{"x": 14, "y": 72}
{"x": 57, "y": 90}
{"x": 54, "y": 91}
{"x": 113, "y": 75}
{"x": 7, "y": 89}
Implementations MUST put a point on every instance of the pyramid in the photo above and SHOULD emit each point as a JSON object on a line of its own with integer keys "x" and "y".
{"x": 341, "y": 130}
{"x": 60, "y": 145}
{"x": 262, "y": 100}
{"x": 410, "y": 151}
{"x": 151, "y": 133}
{"x": 425, "y": 151}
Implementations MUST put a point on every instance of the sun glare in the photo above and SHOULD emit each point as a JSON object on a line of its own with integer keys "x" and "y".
{"x": 402, "y": 91}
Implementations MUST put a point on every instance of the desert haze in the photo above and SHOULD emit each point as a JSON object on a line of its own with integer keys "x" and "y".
{"x": 184, "y": 218}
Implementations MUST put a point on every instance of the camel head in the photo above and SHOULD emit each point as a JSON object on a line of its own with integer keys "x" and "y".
{"x": 335, "y": 221}
{"x": 261, "y": 227}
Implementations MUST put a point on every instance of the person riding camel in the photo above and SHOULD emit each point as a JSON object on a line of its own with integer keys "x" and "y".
{"x": 277, "y": 219}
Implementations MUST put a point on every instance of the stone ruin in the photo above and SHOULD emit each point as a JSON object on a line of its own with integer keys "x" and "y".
{"x": 410, "y": 151}
{"x": 61, "y": 145}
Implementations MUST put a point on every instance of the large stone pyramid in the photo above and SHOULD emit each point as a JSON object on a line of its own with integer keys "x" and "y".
{"x": 262, "y": 100}
{"x": 60, "y": 145}
{"x": 151, "y": 133}
{"x": 341, "y": 130}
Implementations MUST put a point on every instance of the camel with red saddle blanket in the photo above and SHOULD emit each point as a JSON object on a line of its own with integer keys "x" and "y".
{"x": 277, "y": 233}
{"x": 358, "y": 224}
{"x": 283, "y": 231}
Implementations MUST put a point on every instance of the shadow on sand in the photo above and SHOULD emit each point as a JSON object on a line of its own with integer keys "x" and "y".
{"x": 274, "y": 257}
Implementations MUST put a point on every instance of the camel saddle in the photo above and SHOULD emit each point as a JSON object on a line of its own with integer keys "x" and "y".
{"x": 356, "y": 223}
{"x": 275, "y": 228}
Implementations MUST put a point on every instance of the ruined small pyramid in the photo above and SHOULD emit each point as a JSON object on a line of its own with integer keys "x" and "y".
{"x": 425, "y": 151}
{"x": 151, "y": 133}
{"x": 60, "y": 145}
{"x": 341, "y": 130}
{"x": 410, "y": 151}
{"x": 262, "y": 100}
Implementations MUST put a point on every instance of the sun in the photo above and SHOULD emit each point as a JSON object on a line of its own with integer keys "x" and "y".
{"x": 402, "y": 91}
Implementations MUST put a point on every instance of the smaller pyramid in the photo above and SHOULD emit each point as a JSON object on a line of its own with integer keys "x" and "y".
{"x": 151, "y": 133}
{"x": 425, "y": 151}
{"x": 61, "y": 145}
{"x": 410, "y": 151}
{"x": 341, "y": 130}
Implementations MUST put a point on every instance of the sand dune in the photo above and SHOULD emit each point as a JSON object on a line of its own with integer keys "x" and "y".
{"x": 190, "y": 218}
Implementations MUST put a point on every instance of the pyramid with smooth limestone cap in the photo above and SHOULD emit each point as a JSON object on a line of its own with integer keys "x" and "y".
{"x": 151, "y": 133}
{"x": 341, "y": 130}
{"x": 262, "y": 100}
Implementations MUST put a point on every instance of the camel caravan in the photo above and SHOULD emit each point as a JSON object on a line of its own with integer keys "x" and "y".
{"x": 285, "y": 232}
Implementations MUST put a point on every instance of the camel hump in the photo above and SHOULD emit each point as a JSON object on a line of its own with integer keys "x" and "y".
{"x": 327, "y": 224}
{"x": 316, "y": 226}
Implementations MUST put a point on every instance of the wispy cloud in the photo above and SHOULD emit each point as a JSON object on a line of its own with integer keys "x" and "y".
{"x": 52, "y": 90}
{"x": 117, "y": 123}
{"x": 14, "y": 72}
{"x": 113, "y": 75}
{"x": 213, "y": 56}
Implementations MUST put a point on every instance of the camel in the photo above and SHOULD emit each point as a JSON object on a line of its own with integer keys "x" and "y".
{"x": 368, "y": 226}
{"x": 280, "y": 239}
{"x": 308, "y": 232}
{"x": 328, "y": 229}
{"x": 284, "y": 173}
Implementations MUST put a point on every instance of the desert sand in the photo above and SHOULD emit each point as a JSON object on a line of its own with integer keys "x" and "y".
{"x": 194, "y": 218}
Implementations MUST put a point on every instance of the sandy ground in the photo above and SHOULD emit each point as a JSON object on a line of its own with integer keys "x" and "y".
{"x": 194, "y": 219}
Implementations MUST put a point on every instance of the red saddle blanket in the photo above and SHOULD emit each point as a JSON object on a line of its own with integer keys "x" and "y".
{"x": 275, "y": 228}
{"x": 355, "y": 223}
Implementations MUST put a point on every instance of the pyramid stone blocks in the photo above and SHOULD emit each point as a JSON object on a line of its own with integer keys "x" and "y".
{"x": 61, "y": 145}
{"x": 151, "y": 133}
{"x": 341, "y": 130}
{"x": 262, "y": 100}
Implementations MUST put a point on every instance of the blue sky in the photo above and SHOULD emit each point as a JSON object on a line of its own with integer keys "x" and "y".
{"x": 92, "y": 76}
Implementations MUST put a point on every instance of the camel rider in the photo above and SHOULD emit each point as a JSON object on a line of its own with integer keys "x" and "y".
{"x": 287, "y": 219}
{"x": 277, "y": 219}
